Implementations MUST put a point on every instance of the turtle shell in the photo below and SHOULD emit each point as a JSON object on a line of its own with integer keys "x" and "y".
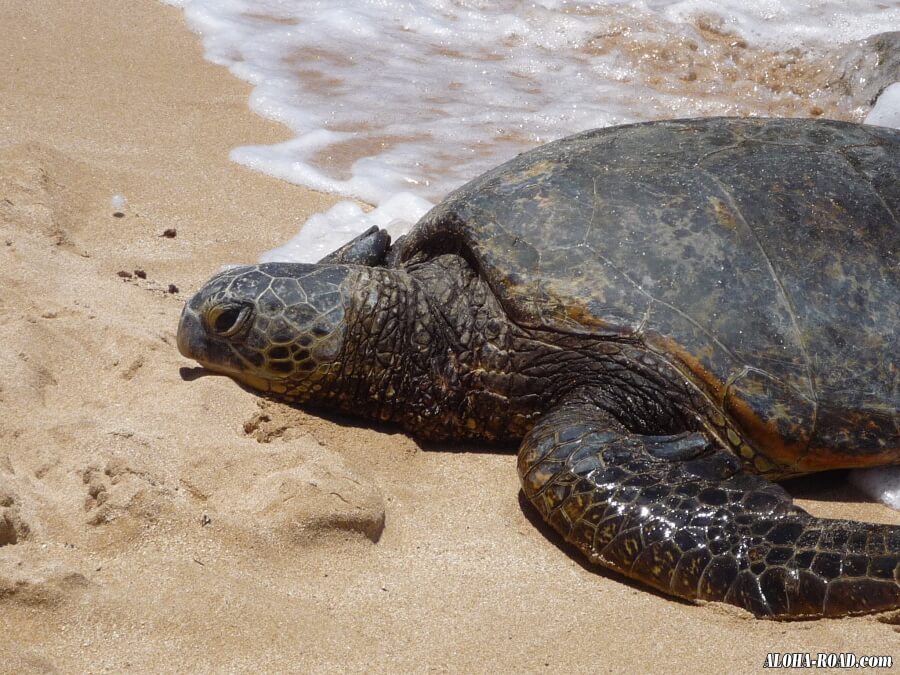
{"x": 759, "y": 256}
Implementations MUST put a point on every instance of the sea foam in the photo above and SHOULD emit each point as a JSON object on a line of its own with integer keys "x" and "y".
{"x": 388, "y": 97}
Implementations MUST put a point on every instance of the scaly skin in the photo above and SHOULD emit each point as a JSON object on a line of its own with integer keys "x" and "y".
{"x": 700, "y": 528}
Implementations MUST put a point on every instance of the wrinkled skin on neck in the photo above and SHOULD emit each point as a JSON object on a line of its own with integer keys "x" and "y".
{"x": 433, "y": 353}
{"x": 428, "y": 347}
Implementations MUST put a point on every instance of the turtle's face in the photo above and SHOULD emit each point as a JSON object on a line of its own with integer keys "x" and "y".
{"x": 276, "y": 327}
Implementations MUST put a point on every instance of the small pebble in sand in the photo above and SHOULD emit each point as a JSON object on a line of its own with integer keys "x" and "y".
{"x": 140, "y": 274}
{"x": 124, "y": 274}
{"x": 170, "y": 233}
{"x": 173, "y": 288}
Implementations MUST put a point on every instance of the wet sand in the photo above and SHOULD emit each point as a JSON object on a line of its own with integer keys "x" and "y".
{"x": 153, "y": 521}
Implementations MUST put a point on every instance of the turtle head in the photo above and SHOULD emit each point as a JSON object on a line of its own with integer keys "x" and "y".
{"x": 276, "y": 327}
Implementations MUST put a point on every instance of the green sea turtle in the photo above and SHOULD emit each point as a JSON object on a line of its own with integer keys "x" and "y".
{"x": 665, "y": 316}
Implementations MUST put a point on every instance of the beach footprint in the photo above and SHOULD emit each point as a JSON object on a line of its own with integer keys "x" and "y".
{"x": 285, "y": 493}
{"x": 117, "y": 488}
{"x": 14, "y": 527}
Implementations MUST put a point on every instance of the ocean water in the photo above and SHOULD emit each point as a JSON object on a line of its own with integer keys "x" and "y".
{"x": 396, "y": 103}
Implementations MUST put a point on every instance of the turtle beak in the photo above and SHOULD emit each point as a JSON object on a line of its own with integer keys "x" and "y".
{"x": 191, "y": 336}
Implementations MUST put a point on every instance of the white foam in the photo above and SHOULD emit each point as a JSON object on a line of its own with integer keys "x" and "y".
{"x": 386, "y": 97}
{"x": 886, "y": 111}
{"x": 345, "y": 220}
{"x": 881, "y": 483}
{"x": 790, "y": 22}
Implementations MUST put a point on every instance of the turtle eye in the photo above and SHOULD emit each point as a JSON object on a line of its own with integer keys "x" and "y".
{"x": 227, "y": 319}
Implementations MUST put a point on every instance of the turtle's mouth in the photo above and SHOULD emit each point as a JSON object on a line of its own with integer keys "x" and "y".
{"x": 212, "y": 368}
{"x": 247, "y": 379}
{"x": 190, "y": 374}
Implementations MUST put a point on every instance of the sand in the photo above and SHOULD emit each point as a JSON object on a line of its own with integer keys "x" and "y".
{"x": 158, "y": 523}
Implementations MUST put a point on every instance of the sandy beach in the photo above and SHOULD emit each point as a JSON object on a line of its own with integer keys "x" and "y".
{"x": 151, "y": 521}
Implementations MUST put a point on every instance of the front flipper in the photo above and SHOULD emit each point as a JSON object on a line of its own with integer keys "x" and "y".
{"x": 369, "y": 248}
{"x": 680, "y": 514}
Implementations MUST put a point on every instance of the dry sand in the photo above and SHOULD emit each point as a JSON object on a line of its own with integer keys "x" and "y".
{"x": 156, "y": 524}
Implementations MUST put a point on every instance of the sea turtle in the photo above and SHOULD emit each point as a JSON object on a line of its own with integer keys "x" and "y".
{"x": 665, "y": 316}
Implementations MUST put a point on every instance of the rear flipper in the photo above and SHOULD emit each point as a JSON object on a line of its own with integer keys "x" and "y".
{"x": 680, "y": 514}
